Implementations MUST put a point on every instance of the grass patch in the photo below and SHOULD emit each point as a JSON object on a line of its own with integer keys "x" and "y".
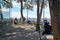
{"x": 41, "y": 26}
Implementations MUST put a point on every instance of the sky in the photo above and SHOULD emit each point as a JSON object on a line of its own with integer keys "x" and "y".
{"x": 15, "y": 12}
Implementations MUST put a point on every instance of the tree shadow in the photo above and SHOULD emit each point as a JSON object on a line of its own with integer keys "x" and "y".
{"x": 21, "y": 34}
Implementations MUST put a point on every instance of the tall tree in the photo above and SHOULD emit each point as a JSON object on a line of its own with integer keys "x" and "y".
{"x": 38, "y": 19}
{"x": 41, "y": 8}
{"x": 22, "y": 7}
{"x": 42, "y": 4}
{"x": 6, "y": 4}
{"x": 1, "y": 13}
{"x": 23, "y": 18}
{"x": 55, "y": 17}
{"x": 21, "y": 1}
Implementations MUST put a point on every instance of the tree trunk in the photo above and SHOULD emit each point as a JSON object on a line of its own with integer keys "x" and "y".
{"x": 42, "y": 5}
{"x": 38, "y": 19}
{"x": 56, "y": 4}
{"x": 23, "y": 18}
{"x": 39, "y": 14}
{"x": 55, "y": 17}
{"x": 1, "y": 13}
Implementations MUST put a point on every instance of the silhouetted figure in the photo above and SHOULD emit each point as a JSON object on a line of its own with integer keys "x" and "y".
{"x": 48, "y": 28}
{"x": 29, "y": 22}
{"x": 15, "y": 21}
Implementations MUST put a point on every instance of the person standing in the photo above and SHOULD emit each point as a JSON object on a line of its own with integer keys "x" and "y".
{"x": 15, "y": 21}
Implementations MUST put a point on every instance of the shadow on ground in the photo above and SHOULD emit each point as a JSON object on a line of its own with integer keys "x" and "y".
{"x": 21, "y": 34}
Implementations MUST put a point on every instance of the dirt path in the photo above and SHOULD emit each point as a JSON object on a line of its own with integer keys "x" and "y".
{"x": 22, "y": 33}
{"x": 26, "y": 32}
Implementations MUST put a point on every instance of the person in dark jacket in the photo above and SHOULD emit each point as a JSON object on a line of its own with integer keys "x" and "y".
{"x": 47, "y": 27}
{"x": 15, "y": 21}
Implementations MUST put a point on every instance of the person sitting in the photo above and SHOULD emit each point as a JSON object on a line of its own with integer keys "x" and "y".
{"x": 48, "y": 28}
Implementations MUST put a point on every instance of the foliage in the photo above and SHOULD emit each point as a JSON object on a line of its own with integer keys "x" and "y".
{"x": 28, "y": 5}
{"x": 5, "y": 4}
{"x": 41, "y": 26}
{"x": 8, "y": 3}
